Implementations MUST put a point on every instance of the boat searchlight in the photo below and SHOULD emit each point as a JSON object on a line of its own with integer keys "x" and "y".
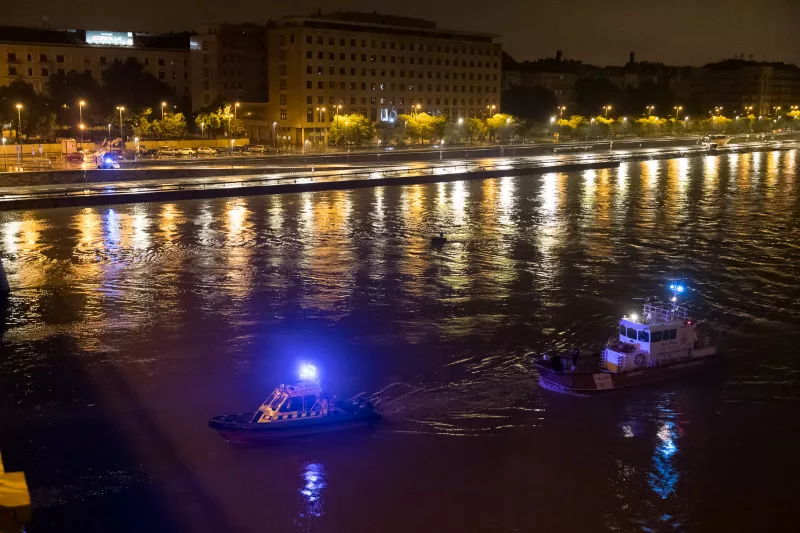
{"x": 308, "y": 373}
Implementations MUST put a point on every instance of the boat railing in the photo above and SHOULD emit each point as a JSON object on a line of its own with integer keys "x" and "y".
{"x": 656, "y": 313}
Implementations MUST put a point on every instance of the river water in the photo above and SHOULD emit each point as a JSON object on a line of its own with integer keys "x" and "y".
{"x": 129, "y": 326}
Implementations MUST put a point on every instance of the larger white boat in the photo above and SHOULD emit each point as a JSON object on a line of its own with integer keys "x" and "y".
{"x": 662, "y": 343}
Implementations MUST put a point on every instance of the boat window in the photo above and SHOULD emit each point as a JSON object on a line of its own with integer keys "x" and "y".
{"x": 656, "y": 336}
{"x": 622, "y": 330}
{"x": 644, "y": 336}
{"x": 309, "y": 401}
{"x": 632, "y": 334}
{"x": 673, "y": 334}
{"x": 297, "y": 403}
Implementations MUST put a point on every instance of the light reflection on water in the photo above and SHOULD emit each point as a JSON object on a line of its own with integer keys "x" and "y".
{"x": 200, "y": 290}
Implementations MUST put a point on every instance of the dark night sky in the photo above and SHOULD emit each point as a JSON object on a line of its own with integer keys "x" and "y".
{"x": 602, "y": 32}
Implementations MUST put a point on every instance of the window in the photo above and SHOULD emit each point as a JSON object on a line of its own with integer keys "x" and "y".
{"x": 206, "y": 85}
{"x": 363, "y": 99}
{"x": 282, "y": 99}
{"x": 352, "y": 86}
{"x": 373, "y": 86}
{"x": 644, "y": 336}
{"x": 331, "y": 70}
{"x": 320, "y": 85}
{"x": 331, "y": 85}
{"x": 363, "y": 86}
{"x": 12, "y": 57}
{"x": 102, "y": 60}
{"x": 341, "y": 42}
{"x": 162, "y": 75}
{"x": 309, "y": 84}
{"x": 352, "y": 71}
{"x": 320, "y": 41}
{"x": 308, "y": 39}
{"x": 320, "y": 55}
{"x": 310, "y": 114}
{"x": 283, "y": 85}
{"x": 30, "y": 71}
{"x": 341, "y": 85}
{"x": 174, "y": 75}
{"x": 372, "y": 100}
{"x": 12, "y": 71}
{"x": 42, "y": 58}
{"x": 282, "y": 70}
{"x": 330, "y": 56}
{"x": 331, "y": 41}
{"x": 308, "y": 54}
{"x": 59, "y": 59}
{"x": 352, "y": 43}
{"x": 673, "y": 333}
{"x": 632, "y": 334}
{"x": 281, "y": 40}
{"x": 656, "y": 336}
{"x": 308, "y": 69}
{"x": 320, "y": 99}
{"x": 162, "y": 63}
{"x": 283, "y": 114}
{"x": 320, "y": 70}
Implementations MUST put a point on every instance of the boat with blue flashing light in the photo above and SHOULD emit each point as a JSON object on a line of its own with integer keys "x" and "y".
{"x": 663, "y": 343}
{"x": 294, "y": 411}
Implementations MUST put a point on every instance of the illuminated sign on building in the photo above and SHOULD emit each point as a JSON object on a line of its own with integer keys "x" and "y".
{"x": 110, "y": 38}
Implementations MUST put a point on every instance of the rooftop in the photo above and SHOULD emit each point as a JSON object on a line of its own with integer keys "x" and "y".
{"x": 77, "y": 37}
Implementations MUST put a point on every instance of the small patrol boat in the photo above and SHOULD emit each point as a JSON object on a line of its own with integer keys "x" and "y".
{"x": 663, "y": 343}
{"x": 296, "y": 410}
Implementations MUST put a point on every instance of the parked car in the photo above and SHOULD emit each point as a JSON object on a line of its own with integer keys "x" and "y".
{"x": 205, "y": 150}
{"x": 185, "y": 151}
{"x": 74, "y": 157}
{"x": 167, "y": 151}
{"x": 256, "y": 149}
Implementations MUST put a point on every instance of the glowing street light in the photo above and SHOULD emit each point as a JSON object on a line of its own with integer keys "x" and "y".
{"x": 553, "y": 119}
{"x": 677, "y": 109}
{"x": 163, "y": 105}
{"x": 561, "y": 110}
{"x": 274, "y": 138}
{"x": 491, "y": 109}
{"x": 606, "y": 108}
{"x": 120, "y": 109}
{"x": 19, "y": 122}
{"x": 80, "y": 117}
{"x": 202, "y": 130}
{"x": 718, "y": 110}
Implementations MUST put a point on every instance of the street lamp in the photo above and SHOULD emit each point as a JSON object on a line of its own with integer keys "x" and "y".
{"x": 109, "y": 131}
{"x": 274, "y": 139}
{"x": 677, "y": 109}
{"x": 718, "y": 110}
{"x": 235, "y": 107}
{"x": 202, "y": 130}
{"x": 4, "y": 153}
{"x": 19, "y": 123}
{"x": 80, "y": 117}
{"x": 491, "y": 109}
{"x": 561, "y": 110}
{"x": 553, "y": 119}
{"x": 163, "y": 105}
{"x": 120, "y": 109}
{"x": 606, "y": 108}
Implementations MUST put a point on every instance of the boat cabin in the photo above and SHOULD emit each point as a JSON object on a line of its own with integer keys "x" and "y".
{"x": 662, "y": 335}
{"x": 292, "y": 402}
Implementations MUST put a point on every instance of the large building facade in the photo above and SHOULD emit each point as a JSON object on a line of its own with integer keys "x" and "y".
{"x": 33, "y": 55}
{"x": 378, "y": 66}
{"x": 229, "y": 63}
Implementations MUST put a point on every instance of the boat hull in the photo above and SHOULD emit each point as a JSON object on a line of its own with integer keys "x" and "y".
{"x": 601, "y": 380}
{"x": 234, "y": 428}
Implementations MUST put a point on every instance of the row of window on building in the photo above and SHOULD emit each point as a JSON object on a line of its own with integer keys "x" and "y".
{"x": 103, "y": 60}
{"x": 376, "y": 86}
{"x": 391, "y": 100}
{"x": 372, "y": 58}
{"x": 402, "y": 73}
{"x": 431, "y": 48}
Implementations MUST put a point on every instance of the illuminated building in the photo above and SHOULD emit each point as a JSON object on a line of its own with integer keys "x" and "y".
{"x": 376, "y": 65}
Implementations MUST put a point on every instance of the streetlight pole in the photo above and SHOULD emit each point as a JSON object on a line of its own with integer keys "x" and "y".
{"x": 19, "y": 124}
{"x": 4, "y": 154}
{"x": 80, "y": 118}
{"x": 109, "y": 131}
{"x": 274, "y": 130}
{"x": 120, "y": 109}
{"x": 163, "y": 105}
{"x": 607, "y": 108}
{"x": 235, "y": 107}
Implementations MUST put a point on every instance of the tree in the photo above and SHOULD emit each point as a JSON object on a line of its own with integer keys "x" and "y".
{"x": 126, "y": 83}
{"x": 219, "y": 122}
{"x": 423, "y": 126}
{"x": 35, "y": 112}
{"x": 591, "y": 94}
{"x": 531, "y": 103}
{"x": 66, "y": 90}
{"x": 476, "y": 129}
{"x": 354, "y": 128}
{"x": 500, "y": 125}
{"x": 650, "y": 126}
{"x": 172, "y": 126}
